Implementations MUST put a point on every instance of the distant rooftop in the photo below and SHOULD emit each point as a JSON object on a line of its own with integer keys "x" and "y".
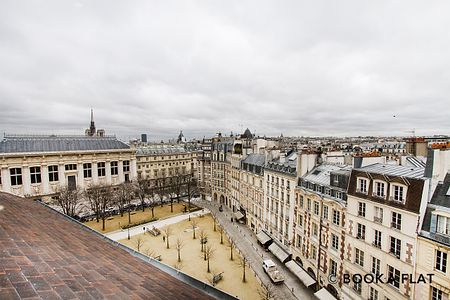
{"x": 321, "y": 173}
{"x": 255, "y": 159}
{"x": 394, "y": 170}
{"x": 44, "y": 255}
{"x": 159, "y": 149}
{"x": 58, "y": 143}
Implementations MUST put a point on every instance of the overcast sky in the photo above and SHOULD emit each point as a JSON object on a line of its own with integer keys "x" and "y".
{"x": 297, "y": 68}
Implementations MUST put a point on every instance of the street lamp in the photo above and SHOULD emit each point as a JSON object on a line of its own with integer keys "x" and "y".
{"x": 128, "y": 233}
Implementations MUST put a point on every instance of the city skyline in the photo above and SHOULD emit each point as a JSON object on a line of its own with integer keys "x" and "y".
{"x": 158, "y": 68}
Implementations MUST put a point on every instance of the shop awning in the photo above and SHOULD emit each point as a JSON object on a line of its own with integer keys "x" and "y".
{"x": 279, "y": 252}
{"x": 323, "y": 294}
{"x": 300, "y": 273}
{"x": 238, "y": 215}
{"x": 263, "y": 237}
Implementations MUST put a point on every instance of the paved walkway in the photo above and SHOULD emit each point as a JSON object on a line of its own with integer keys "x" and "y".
{"x": 123, "y": 233}
{"x": 247, "y": 243}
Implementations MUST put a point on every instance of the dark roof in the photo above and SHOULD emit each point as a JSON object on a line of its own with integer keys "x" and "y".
{"x": 440, "y": 199}
{"x": 413, "y": 194}
{"x": 52, "y": 143}
{"x": 45, "y": 255}
{"x": 255, "y": 159}
{"x": 247, "y": 134}
{"x": 394, "y": 170}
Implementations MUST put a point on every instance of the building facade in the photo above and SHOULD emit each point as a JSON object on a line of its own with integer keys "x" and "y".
{"x": 319, "y": 224}
{"x": 165, "y": 160}
{"x": 39, "y": 166}
{"x": 384, "y": 208}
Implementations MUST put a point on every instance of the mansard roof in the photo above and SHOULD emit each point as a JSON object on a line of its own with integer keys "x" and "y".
{"x": 57, "y": 143}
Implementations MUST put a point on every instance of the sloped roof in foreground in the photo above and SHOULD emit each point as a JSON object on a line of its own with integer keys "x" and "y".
{"x": 44, "y": 255}
{"x": 58, "y": 143}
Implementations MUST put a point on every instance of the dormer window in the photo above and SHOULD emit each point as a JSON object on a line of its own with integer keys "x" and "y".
{"x": 398, "y": 193}
{"x": 443, "y": 225}
{"x": 362, "y": 185}
{"x": 379, "y": 189}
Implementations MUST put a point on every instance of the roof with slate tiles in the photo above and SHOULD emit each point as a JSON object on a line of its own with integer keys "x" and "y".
{"x": 45, "y": 255}
{"x": 52, "y": 143}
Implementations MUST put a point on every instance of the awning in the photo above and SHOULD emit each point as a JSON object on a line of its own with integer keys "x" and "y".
{"x": 238, "y": 215}
{"x": 300, "y": 273}
{"x": 279, "y": 252}
{"x": 263, "y": 237}
{"x": 323, "y": 294}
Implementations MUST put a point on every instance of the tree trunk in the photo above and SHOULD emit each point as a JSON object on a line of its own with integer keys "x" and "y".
{"x": 153, "y": 212}
{"x": 189, "y": 208}
{"x": 103, "y": 223}
{"x": 243, "y": 275}
{"x": 208, "y": 267}
{"x": 179, "y": 257}
{"x": 231, "y": 252}
{"x": 171, "y": 205}
{"x": 129, "y": 217}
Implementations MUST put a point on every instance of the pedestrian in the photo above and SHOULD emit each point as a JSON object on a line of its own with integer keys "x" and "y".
{"x": 164, "y": 238}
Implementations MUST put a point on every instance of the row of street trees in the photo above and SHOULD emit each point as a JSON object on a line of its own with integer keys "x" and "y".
{"x": 151, "y": 192}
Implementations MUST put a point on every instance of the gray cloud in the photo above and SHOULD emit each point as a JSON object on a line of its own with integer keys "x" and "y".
{"x": 300, "y": 68}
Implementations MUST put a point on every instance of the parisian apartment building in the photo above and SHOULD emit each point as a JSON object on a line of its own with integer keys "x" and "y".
{"x": 337, "y": 214}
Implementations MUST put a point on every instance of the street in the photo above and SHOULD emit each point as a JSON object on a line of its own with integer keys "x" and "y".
{"x": 247, "y": 244}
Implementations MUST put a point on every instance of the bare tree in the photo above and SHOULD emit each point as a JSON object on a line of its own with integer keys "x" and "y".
{"x": 203, "y": 236}
{"x": 178, "y": 265}
{"x": 151, "y": 195}
{"x": 179, "y": 246}
{"x": 161, "y": 188}
{"x": 221, "y": 234}
{"x": 123, "y": 197}
{"x": 68, "y": 200}
{"x": 139, "y": 242}
{"x": 100, "y": 198}
{"x": 192, "y": 189}
{"x": 168, "y": 232}
{"x": 194, "y": 223}
{"x": 149, "y": 252}
{"x": 266, "y": 292}
{"x": 214, "y": 223}
{"x": 209, "y": 254}
{"x": 243, "y": 262}
{"x": 141, "y": 187}
{"x": 231, "y": 245}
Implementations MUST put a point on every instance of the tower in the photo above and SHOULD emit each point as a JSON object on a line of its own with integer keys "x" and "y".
{"x": 91, "y": 130}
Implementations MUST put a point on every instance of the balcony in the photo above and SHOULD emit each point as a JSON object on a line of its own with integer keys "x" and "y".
{"x": 378, "y": 219}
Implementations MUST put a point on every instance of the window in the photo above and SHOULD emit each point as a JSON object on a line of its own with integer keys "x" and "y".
{"x": 378, "y": 216}
{"x": 333, "y": 267}
{"x": 300, "y": 220}
{"x": 362, "y": 185}
{"x": 314, "y": 229}
{"x": 309, "y": 204}
{"x": 35, "y": 174}
{"x": 53, "y": 173}
{"x": 316, "y": 208}
{"x": 361, "y": 231}
{"x": 336, "y": 217}
{"x": 359, "y": 257}
{"x": 16, "y": 176}
{"x": 375, "y": 266}
{"x": 379, "y": 189}
{"x": 393, "y": 276}
{"x": 373, "y": 294}
{"x": 334, "y": 242}
{"x": 313, "y": 252}
{"x": 301, "y": 201}
{"x": 436, "y": 294}
{"x": 70, "y": 167}
{"x": 361, "y": 209}
{"x": 357, "y": 287}
{"x": 441, "y": 261}
{"x": 325, "y": 212}
{"x": 114, "y": 168}
{"x": 299, "y": 241}
{"x": 101, "y": 169}
{"x": 87, "y": 170}
{"x": 398, "y": 193}
{"x": 396, "y": 221}
{"x": 443, "y": 225}
{"x": 377, "y": 239}
{"x": 396, "y": 245}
